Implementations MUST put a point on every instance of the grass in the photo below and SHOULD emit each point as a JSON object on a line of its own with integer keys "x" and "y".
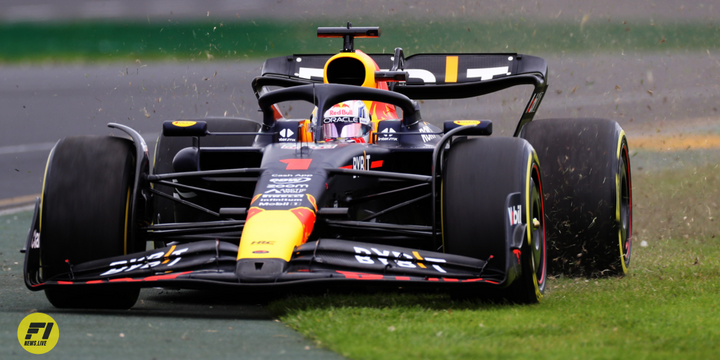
{"x": 94, "y": 41}
{"x": 664, "y": 308}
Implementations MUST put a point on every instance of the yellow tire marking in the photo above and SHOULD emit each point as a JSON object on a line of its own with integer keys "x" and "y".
{"x": 442, "y": 218}
{"x": 127, "y": 211}
{"x": 528, "y": 212}
{"x": 42, "y": 194}
{"x": 618, "y": 199}
{"x": 622, "y": 254}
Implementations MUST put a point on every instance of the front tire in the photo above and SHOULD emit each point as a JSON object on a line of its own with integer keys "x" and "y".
{"x": 478, "y": 177}
{"x": 85, "y": 211}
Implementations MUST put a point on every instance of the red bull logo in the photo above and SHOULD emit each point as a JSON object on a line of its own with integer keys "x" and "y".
{"x": 340, "y": 112}
{"x": 341, "y": 109}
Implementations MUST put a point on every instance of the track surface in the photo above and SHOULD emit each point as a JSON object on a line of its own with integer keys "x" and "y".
{"x": 164, "y": 324}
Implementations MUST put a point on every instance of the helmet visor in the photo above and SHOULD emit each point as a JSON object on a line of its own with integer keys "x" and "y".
{"x": 342, "y": 130}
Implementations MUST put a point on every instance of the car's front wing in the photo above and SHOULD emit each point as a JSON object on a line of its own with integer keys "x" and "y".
{"x": 213, "y": 263}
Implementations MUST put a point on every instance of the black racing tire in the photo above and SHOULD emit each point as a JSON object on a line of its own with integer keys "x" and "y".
{"x": 479, "y": 175}
{"x": 84, "y": 215}
{"x": 167, "y": 147}
{"x": 588, "y": 194}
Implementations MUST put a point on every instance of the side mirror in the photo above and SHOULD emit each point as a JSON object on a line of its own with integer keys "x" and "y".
{"x": 184, "y": 128}
{"x": 480, "y": 127}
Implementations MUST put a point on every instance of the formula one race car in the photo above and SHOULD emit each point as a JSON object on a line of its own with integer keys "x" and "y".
{"x": 361, "y": 191}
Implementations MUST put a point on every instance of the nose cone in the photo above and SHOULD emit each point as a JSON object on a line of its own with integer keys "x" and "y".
{"x": 275, "y": 233}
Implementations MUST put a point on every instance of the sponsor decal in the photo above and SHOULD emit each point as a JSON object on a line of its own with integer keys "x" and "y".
{"x": 38, "y": 333}
{"x": 286, "y": 191}
{"x": 515, "y": 214}
{"x": 361, "y": 162}
{"x": 428, "y": 137}
{"x": 35, "y": 243}
{"x": 292, "y": 180}
{"x": 184, "y": 123}
{"x": 535, "y": 102}
{"x": 387, "y": 134}
{"x": 292, "y": 175}
{"x": 487, "y": 73}
{"x": 311, "y": 146}
{"x": 280, "y": 186}
{"x": 262, "y": 242}
{"x": 296, "y": 164}
{"x": 143, "y": 262}
{"x": 466, "y": 122}
{"x": 272, "y": 199}
{"x": 260, "y": 252}
{"x": 340, "y": 115}
{"x": 410, "y": 261}
{"x": 308, "y": 73}
{"x": 286, "y": 135}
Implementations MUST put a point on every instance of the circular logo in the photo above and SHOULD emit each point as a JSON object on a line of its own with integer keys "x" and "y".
{"x": 184, "y": 123}
{"x": 38, "y": 333}
{"x": 289, "y": 180}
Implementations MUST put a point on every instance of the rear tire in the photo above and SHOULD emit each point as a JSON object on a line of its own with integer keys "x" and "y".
{"x": 478, "y": 177}
{"x": 588, "y": 193}
{"x": 85, "y": 214}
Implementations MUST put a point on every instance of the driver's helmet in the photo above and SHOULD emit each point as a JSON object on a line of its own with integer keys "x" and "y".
{"x": 348, "y": 121}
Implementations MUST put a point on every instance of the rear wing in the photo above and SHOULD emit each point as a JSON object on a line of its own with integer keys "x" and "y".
{"x": 430, "y": 76}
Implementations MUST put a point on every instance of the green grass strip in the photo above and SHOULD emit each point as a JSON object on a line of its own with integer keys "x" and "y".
{"x": 665, "y": 308}
{"x": 89, "y": 41}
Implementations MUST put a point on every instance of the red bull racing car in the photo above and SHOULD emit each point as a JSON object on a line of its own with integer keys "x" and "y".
{"x": 363, "y": 190}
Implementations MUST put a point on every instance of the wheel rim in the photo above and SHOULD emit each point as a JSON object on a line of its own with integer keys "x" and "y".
{"x": 538, "y": 232}
{"x": 625, "y": 221}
